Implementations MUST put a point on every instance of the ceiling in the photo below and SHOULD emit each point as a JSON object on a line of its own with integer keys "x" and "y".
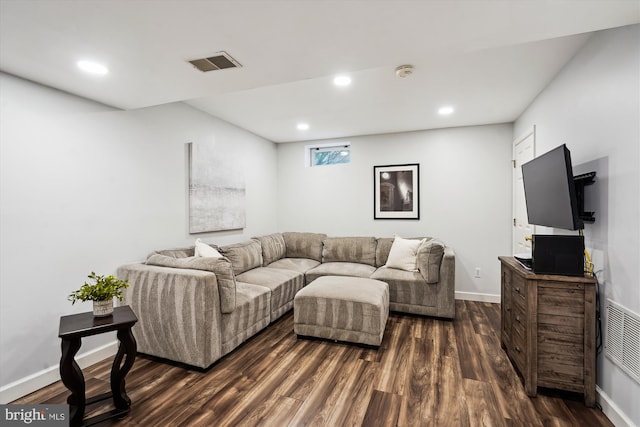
{"x": 487, "y": 59}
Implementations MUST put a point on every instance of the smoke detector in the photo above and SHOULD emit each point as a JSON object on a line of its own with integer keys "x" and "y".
{"x": 404, "y": 70}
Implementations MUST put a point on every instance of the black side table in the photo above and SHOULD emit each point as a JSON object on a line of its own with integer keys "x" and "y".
{"x": 72, "y": 329}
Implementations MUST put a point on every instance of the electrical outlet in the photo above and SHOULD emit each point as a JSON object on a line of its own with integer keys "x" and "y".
{"x": 477, "y": 272}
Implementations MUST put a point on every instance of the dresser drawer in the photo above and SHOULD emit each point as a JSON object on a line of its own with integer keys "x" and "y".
{"x": 519, "y": 292}
{"x": 506, "y": 306}
{"x": 518, "y": 348}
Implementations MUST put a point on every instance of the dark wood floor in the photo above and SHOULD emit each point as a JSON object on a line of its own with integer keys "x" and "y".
{"x": 427, "y": 372}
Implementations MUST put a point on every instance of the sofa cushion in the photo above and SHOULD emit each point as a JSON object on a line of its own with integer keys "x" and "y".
{"x": 429, "y": 258}
{"x": 283, "y": 285}
{"x": 406, "y": 288}
{"x": 403, "y": 254}
{"x": 243, "y": 256}
{"x": 301, "y": 265}
{"x": 273, "y": 248}
{"x": 350, "y": 249}
{"x": 221, "y": 267}
{"x": 250, "y": 317}
{"x": 339, "y": 269}
{"x": 304, "y": 245}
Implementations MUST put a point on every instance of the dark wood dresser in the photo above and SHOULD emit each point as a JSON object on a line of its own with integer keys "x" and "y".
{"x": 548, "y": 329}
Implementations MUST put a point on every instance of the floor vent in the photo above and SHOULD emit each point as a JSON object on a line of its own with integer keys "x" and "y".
{"x": 219, "y": 61}
{"x": 623, "y": 339}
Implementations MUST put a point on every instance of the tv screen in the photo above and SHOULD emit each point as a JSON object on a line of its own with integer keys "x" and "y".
{"x": 549, "y": 190}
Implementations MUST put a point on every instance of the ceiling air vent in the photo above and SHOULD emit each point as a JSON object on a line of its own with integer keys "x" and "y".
{"x": 219, "y": 61}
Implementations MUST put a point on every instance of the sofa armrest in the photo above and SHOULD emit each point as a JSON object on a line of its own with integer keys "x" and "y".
{"x": 178, "y": 311}
{"x": 429, "y": 259}
{"x": 446, "y": 293}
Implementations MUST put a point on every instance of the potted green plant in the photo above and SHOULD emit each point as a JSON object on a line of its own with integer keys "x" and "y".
{"x": 101, "y": 293}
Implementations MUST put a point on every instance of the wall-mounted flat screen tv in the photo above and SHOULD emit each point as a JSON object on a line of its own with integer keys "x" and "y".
{"x": 550, "y": 192}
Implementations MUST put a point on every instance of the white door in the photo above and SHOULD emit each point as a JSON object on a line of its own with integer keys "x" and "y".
{"x": 523, "y": 151}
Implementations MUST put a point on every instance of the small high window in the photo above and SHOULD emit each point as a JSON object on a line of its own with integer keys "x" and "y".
{"x": 328, "y": 154}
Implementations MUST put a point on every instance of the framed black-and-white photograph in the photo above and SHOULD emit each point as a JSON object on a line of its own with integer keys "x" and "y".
{"x": 396, "y": 191}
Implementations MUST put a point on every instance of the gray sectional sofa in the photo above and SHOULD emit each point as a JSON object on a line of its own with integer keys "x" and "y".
{"x": 194, "y": 310}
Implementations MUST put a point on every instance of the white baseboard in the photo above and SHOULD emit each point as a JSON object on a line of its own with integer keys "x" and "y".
{"x": 471, "y": 296}
{"x": 34, "y": 382}
{"x": 612, "y": 411}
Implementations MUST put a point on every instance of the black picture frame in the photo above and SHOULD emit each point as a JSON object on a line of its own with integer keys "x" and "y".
{"x": 396, "y": 191}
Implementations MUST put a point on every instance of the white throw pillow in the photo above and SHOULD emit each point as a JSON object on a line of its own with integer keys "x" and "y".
{"x": 403, "y": 254}
{"x": 204, "y": 250}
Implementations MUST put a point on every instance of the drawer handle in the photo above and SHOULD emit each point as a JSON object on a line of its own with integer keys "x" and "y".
{"x": 508, "y": 308}
{"x": 518, "y": 289}
{"x": 518, "y": 318}
{"x": 518, "y": 349}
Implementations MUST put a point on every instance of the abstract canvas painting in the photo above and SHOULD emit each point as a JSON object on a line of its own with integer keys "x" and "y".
{"x": 216, "y": 190}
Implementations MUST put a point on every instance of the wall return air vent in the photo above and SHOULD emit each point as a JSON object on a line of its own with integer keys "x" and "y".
{"x": 623, "y": 339}
{"x": 218, "y": 61}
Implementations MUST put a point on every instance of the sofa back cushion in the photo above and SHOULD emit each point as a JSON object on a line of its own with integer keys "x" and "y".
{"x": 273, "y": 248}
{"x": 178, "y": 252}
{"x": 243, "y": 256}
{"x": 350, "y": 249}
{"x": 383, "y": 248}
{"x": 221, "y": 267}
{"x": 429, "y": 258}
{"x": 304, "y": 245}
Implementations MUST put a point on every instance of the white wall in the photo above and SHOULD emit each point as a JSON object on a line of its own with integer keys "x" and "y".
{"x": 593, "y": 106}
{"x": 465, "y": 191}
{"x": 85, "y": 187}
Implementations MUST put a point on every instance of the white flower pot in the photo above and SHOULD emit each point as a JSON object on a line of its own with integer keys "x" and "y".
{"x": 103, "y": 308}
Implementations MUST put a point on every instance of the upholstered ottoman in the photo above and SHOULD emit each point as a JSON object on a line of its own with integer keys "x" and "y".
{"x": 352, "y": 309}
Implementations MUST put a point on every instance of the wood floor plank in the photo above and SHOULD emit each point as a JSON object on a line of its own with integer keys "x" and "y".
{"x": 303, "y": 377}
{"x": 512, "y": 401}
{"x": 482, "y": 404}
{"x": 427, "y": 372}
{"x": 418, "y": 382}
{"x": 472, "y": 364}
{"x": 314, "y": 403}
{"x": 450, "y": 403}
{"x": 478, "y": 318}
{"x": 353, "y": 402}
{"x": 334, "y": 400}
{"x": 383, "y": 409}
{"x": 393, "y": 365}
{"x": 492, "y": 313}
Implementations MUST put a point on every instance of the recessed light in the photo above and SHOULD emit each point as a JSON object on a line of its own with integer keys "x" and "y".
{"x": 445, "y": 111}
{"x": 303, "y": 126}
{"x": 93, "y": 67}
{"x": 342, "y": 80}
